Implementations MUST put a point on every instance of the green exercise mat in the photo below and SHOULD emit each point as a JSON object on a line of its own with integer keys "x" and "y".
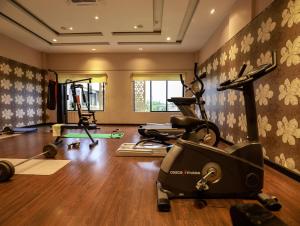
{"x": 95, "y": 135}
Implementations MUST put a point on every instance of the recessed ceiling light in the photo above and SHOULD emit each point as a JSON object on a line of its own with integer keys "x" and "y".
{"x": 212, "y": 11}
{"x": 140, "y": 49}
{"x": 93, "y": 49}
{"x": 168, "y": 38}
{"x": 54, "y": 40}
{"x": 96, "y": 18}
{"x": 139, "y": 26}
{"x": 71, "y": 28}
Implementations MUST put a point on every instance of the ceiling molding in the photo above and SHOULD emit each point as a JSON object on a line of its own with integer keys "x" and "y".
{"x": 158, "y": 10}
{"x": 149, "y": 43}
{"x": 192, "y": 6}
{"x": 45, "y": 40}
{"x": 34, "y": 17}
{"x": 136, "y": 33}
{"x": 80, "y": 43}
{"x": 23, "y": 27}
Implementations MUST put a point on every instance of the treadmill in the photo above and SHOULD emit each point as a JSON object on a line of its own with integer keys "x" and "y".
{"x": 184, "y": 104}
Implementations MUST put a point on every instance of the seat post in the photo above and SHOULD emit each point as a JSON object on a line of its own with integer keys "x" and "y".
{"x": 251, "y": 116}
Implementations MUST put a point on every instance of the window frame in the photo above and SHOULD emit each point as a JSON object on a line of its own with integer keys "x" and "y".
{"x": 150, "y": 110}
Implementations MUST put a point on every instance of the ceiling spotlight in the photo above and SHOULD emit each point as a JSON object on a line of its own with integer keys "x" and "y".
{"x": 54, "y": 40}
{"x": 96, "y": 18}
{"x": 140, "y": 49}
{"x": 139, "y": 26}
{"x": 168, "y": 38}
{"x": 212, "y": 11}
{"x": 93, "y": 49}
{"x": 71, "y": 28}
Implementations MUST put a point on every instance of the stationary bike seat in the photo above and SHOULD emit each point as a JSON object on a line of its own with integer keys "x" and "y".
{"x": 186, "y": 122}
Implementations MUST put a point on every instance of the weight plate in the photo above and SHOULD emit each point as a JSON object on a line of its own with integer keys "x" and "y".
{"x": 50, "y": 150}
{"x": 7, "y": 170}
{"x": 7, "y": 130}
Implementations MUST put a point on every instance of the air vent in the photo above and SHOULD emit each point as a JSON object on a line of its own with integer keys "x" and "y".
{"x": 83, "y": 2}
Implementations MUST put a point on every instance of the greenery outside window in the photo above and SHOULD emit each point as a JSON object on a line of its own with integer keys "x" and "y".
{"x": 152, "y": 91}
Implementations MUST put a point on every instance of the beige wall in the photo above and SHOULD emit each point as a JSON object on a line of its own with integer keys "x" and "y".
{"x": 119, "y": 67}
{"x": 242, "y": 12}
{"x": 17, "y": 51}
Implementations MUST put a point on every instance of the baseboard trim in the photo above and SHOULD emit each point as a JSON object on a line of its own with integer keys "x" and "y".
{"x": 283, "y": 170}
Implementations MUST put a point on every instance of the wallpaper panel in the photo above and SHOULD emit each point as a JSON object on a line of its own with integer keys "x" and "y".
{"x": 22, "y": 94}
{"x": 277, "y": 94}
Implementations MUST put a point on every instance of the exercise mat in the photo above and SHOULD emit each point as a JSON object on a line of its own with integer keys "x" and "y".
{"x": 117, "y": 135}
{"x": 38, "y": 166}
{"x": 8, "y": 136}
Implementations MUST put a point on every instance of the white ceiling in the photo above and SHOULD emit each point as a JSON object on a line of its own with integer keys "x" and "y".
{"x": 37, "y": 22}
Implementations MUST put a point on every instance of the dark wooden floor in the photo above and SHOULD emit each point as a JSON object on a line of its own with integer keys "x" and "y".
{"x": 97, "y": 188}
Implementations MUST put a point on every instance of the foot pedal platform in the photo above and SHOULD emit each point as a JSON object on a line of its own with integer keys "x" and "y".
{"x": 150, "y": 150}
{"x": 253, "y": 215}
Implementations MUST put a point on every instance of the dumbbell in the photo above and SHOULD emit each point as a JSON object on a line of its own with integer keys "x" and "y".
{"x": 7, "y": 169}
{"x": 75, "y": 145}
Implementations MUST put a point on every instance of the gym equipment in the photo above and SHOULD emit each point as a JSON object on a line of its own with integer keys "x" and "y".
{"x": 83, "y": 117}
{"x": 196, "y": 170}
{"x": 271, "y": 202}
{"x": 184, "y": 104}
{"x": 205, "y": 131}
{"x": 60, "y": 92}
{"x": 150, "y": 150}
{"x": 8, "y": 130}
{"x": 7, "y": 169}
{"x": 252, "y": 214}
{"x": 74, "y": 145}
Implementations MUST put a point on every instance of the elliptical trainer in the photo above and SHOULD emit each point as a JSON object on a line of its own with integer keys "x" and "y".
{"x": 195, "y": 170}
{"x": 202, "y": 131}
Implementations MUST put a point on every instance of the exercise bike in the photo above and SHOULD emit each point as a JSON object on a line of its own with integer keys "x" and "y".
{"x": 195, "y": 170}
{"x": 204, "y": 131}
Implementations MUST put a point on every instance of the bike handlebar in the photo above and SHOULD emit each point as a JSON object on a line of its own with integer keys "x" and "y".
{"x": 251, "y": 76}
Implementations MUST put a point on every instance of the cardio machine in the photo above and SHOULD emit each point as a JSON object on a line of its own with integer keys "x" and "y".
{"x": 204, "y": 131}
{"x": 195, "y": 170}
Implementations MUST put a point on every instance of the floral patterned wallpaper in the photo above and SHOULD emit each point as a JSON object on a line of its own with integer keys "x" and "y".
{"x": 22, "y": 94}
{"x": 277, "y": 94}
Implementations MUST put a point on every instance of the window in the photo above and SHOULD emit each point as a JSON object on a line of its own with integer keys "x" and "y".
{"x": 152, "y": 95}
{"x": 95, "y": 99}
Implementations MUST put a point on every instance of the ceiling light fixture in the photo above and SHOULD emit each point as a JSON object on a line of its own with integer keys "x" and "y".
{"x": 139, "y": 26}
{"x": 71, "y": 28}
{"x": 168, "y": 38}
{"x": 212, "y": 11}
{"x": 54, "y": 40}
{"x": 93, "y": 49}
{"x": 96, "y": 18}
{"x": 140, "y": 49}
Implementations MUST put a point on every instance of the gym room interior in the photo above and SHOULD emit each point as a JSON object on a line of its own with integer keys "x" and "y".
{"x": 149, "y": 112}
